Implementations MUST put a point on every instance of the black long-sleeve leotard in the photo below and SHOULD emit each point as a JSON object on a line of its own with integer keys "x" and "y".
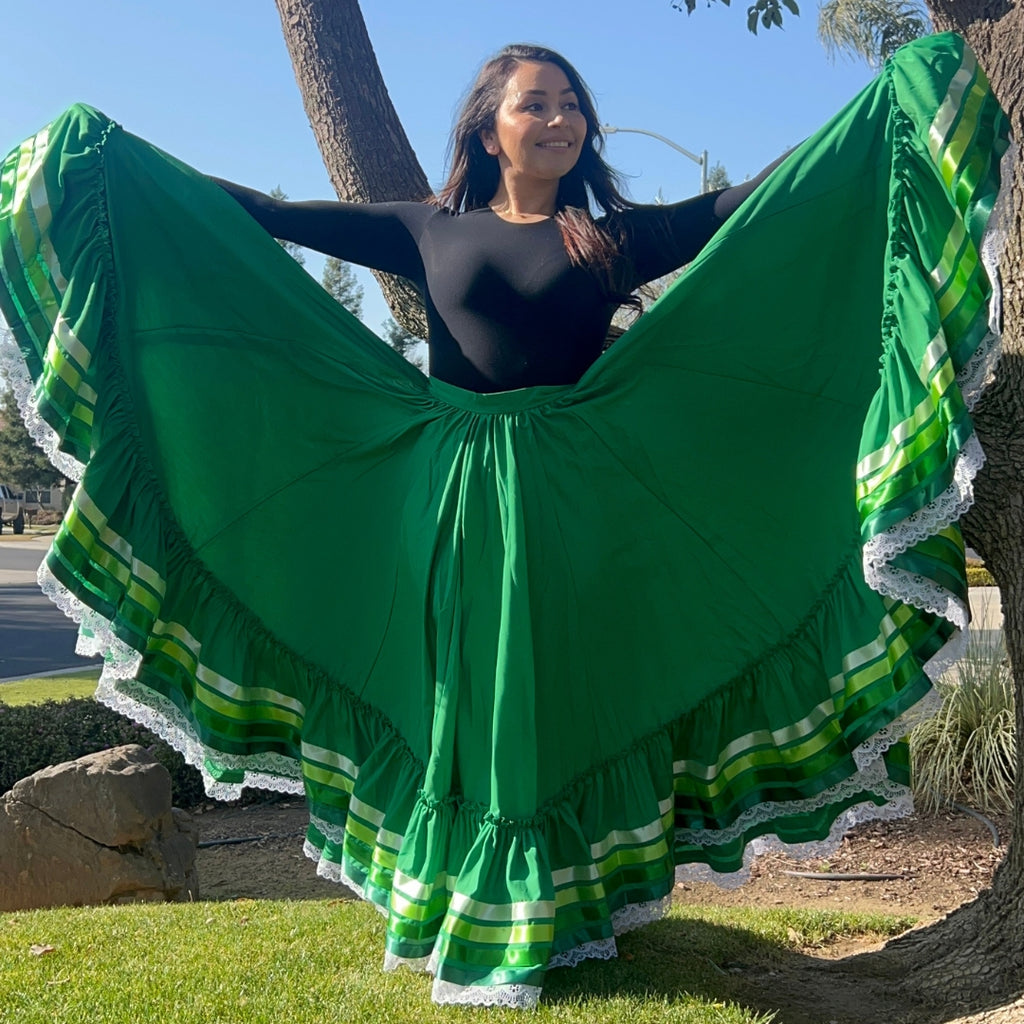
{"x": 505, "y": 307}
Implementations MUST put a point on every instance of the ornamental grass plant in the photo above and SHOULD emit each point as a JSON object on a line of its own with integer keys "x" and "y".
{"x": 966, "y": 754}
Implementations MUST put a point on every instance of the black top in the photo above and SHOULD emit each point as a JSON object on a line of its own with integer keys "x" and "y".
{"x": 505, "y": 307}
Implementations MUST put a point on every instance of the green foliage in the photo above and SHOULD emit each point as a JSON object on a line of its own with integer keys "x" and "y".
{"x": 718, "y": 177}
{"x": 979, "y": 576}
{"x": 760, "y": 14}
{"x": 870, "y": 29}
{"x": 967, "y": 752}
{"x": 33, "y": 736}
{"x": 401, "y": 341}
{"x": 23, "y": 464}
{"x": 339, "y": 280}
{"x": 283, "y": 961}
{"x": 293, "y": 250}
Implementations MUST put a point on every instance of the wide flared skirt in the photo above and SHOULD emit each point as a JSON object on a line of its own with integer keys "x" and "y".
{"x": 527, "y": 653}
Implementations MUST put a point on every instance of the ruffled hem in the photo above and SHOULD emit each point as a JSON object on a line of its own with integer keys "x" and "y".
{"x": 698, "y": 797}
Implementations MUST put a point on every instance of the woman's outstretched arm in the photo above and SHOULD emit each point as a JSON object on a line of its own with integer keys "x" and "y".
{"x": 378, "y": 235}
{"x": 663, "y": 238}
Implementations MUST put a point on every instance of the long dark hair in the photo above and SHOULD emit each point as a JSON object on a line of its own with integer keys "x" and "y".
{"x": 474, "y": 175}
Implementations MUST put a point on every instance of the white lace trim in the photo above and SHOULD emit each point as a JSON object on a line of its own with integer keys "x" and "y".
{"x": 599, "y": 949}
{"x": 900, "y": 807}
{"x": 118, "y": 691}
{"x": 521, "y": 997}
{"x": 336, "y": 833}
{"x": 935, "y": 516}
{"x": 980, "y": 370}
{"x": 636, "y": 915}
{"x": 1000, "y": 224}
{"x": 14, "y": 370}
{"x": 514, "y": 997}
{"x": 870, "y": 752}
{"x": 419, "y": 965}
{"x": 951, "y": 505}
{"x": 951, "y": 652}
{"x": 871, "y": 777}
{"x": 95, "y": 636}
{"x": 879, "y": 551}
{"x": 335, "y": 872}
{"x": 517, "y": 997}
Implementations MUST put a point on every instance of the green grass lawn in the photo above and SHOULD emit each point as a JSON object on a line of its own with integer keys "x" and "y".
{"x": 319, "y": 962}
{"x": 35, "y": 691}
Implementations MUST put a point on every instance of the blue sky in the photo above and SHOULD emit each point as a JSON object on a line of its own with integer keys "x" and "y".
{"x": 210, "y": 80}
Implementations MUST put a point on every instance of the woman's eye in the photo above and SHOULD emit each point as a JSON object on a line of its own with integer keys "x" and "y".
{"x": 572, "y": 106}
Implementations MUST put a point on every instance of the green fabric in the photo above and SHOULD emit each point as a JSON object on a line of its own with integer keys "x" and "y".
{"x": 524, "y": 652}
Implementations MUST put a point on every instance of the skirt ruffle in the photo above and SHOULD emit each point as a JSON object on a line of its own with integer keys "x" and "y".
{"x": 547, "y": 647}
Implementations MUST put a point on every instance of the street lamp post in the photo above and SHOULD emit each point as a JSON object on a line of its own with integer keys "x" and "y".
{"x": 701, "y": 161}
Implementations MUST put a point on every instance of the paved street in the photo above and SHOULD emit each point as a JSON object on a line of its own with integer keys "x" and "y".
{"x": 35, "y": 636}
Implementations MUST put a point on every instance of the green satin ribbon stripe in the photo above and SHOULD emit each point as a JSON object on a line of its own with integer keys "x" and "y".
{"x": 543, "y": 648}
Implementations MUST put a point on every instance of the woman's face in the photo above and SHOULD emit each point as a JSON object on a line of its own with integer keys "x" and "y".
{"x": 539, "y": 129}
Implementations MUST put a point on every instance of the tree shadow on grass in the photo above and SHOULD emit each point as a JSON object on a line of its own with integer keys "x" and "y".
{"x": 682, "y": 959}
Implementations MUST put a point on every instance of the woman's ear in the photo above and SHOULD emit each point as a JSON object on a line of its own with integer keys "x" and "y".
{"x": 489, "y": 140}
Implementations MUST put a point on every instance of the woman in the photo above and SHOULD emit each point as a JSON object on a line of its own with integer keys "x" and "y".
{"x": 507, "y": 307}
{"x": 575, "y": 621}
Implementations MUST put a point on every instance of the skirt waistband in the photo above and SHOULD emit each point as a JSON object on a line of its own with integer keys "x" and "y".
{"x": 497, "y": 401}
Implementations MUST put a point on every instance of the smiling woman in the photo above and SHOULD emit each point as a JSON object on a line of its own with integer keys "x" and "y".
{"x": 552, "y": 645}
{"x": 509, "y": 308}
{"x": 537, "y": 136}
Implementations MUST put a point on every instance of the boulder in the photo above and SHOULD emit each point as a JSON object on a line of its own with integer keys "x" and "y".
{"x": 97, "y": 830}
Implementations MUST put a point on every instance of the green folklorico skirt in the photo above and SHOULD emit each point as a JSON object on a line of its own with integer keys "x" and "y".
{"x": 527, "y": 653}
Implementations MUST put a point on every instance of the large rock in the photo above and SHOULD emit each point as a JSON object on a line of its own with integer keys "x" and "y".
{"x": 97, "y": 830}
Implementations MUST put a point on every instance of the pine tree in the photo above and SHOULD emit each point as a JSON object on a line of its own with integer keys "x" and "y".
{"x": 293, "y": 250}
{"x": 718, "y": 177}
{"x": 401, "y": 341}
{"x": 340, "y": 281}
{"x": 23, "y": 464}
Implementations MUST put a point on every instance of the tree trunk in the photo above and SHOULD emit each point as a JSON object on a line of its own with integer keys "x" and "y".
{"x": 364, "y": 146}
{"x": 974, "y": 956}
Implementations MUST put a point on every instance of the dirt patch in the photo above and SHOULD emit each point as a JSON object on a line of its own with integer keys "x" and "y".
{"x": 272, "y": 867}
{"x": 942, "y": 862}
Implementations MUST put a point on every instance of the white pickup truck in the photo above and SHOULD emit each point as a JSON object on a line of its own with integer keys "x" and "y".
{"x": 12, "y": 509}
{"x": 18, "y": 507}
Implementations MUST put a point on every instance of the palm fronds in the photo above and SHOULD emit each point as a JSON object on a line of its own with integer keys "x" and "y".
{"x": 871, "y": 29}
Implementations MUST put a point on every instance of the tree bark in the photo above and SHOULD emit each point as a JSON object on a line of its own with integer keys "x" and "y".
{"x": 364, "y": 146}
{"x": 972, "y": 958}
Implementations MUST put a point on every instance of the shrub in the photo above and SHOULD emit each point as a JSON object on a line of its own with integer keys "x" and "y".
{"x": 979, "y": 576}
{"x": 36, "y": 735}
{"x": 967, "y": 752}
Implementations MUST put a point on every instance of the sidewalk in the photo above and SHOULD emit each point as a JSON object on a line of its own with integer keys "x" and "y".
{"x": 986, "y": 609}
{"x": 24, "y": 543}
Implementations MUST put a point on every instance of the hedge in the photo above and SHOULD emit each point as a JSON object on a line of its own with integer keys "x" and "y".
{"x": 33, "y": 736}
